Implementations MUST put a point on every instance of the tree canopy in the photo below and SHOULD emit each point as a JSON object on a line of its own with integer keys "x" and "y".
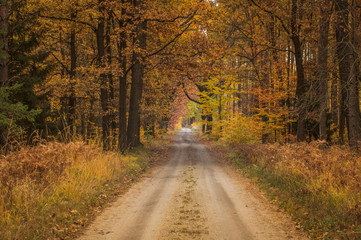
{"x": 267, "y": 71}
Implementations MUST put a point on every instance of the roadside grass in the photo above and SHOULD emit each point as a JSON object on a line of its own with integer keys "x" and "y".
{"x": 320, "y": 187}
{"x": 53, "y": 190}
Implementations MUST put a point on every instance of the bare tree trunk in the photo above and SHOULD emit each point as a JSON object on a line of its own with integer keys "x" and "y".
{"x": 322, "y": 63}
{"x": 133, "y": 133}
{"x": 108, "y": 44}
{"x": 288, "y": 101}
{"x": 347, "y": 70}
{"x": 4, "y": 58}
{"x": 4, "y": 26}
{"x": 63, "y": 122}
{"x": 301, "y": 88}
{"x": 354, "y": 91}
{"x": 104, "y": 95}
{"x": 73, "y": 59}
{"x": 344, "y": 64}
{"x": 122, "y": 138}
{"x": 342, "y": 112}
{"x": 334, "y": 100}
{"x": 92, "y": 120}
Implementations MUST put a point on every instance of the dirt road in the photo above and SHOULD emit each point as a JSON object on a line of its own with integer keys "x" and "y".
{"x": 191, "y": 197}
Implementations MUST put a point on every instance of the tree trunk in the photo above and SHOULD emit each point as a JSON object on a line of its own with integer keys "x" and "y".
{"x": 288, "y": 101}
{"x": 122, "y": 138}
{"x": 354, "y": 86}
{"x": 133, "y": 133}
{"x": 104, "y": 95}
{"x": 347, "y": 72}
{"x": 301, "y": 88}
{"x": 334, "y": 95}
{"x": 73, "y": 59}
{"x": 4, "y": 58}
{"x": 342, "y": 111}
{"x": 322, "y": 63}
{"x": 343, "y": 55}
{"x": 209, "y": 127}
{"x": 108, "y": 50}
{"x": 92, "y": 120}
{"x": 4, "y": 26}
{"x": 164, "y": 123}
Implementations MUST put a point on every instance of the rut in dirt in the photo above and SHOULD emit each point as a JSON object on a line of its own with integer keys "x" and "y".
{"x": 190, "y": 197}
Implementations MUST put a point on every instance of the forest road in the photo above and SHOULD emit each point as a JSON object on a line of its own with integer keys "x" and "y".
{"x": 192, "y": 196}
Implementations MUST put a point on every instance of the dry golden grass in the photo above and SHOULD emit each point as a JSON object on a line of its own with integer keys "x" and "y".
{"x": 43, "y": 161}
{"x": 318, "y": 185}
{"x": 52, "y": 190}
{"x": 331, "y": 168}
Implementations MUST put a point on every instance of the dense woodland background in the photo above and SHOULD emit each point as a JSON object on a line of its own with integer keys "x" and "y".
{"x": 246, "y": 70}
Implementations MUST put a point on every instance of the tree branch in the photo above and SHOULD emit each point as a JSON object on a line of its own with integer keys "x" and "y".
{"x": 170, "y": 42}
{"x": 272, "y": 14}
{"x": 65, "y": 19}
{"x": 187, "y": 95}
{"x": 56, "y": 58}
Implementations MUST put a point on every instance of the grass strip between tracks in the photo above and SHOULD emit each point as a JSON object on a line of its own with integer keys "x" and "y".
{"x": 319, "y": 188}
{"x": 52, "y": 191}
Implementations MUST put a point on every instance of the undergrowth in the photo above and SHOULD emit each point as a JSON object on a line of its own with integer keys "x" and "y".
{"x": 318, "y": 186}
{"x": 52, "y": 190}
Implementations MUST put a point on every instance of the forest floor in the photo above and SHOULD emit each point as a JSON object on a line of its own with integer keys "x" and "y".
{"x": 194, "y": 195}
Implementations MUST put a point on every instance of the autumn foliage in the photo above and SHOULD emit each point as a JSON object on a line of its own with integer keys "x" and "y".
{"x": 115, "y": 70}
{"x": 118, "y": 73}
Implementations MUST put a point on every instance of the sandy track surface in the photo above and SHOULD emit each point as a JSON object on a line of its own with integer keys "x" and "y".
{"x": 191, "y": 197}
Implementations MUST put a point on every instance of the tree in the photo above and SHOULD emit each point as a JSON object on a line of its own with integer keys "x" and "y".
{"x": 140, "y": 38}
{"x": 348, "y": 75}
{"x": 323, "y": 75}
{"x": 4, "y": 58}
{"x": 301, "y": 88}
{"x": 72, "y": 73}
{"x": 104, "y": 83}
{"x": 122, "y": 59}
{"x": 18, "y": 72}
